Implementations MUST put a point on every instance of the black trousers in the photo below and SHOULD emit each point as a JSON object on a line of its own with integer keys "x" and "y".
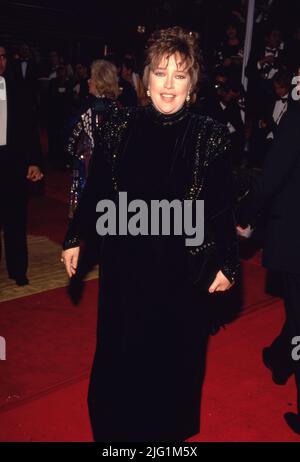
{"x": 281, "y": 348}
{"x": 13, "y": 220}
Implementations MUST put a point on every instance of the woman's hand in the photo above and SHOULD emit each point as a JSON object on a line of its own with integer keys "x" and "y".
{"x": 220, "y": 284}
{"x": 69, "y": 258}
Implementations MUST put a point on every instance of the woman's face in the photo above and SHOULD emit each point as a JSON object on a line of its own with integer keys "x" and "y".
{"x": 169, "y": 85}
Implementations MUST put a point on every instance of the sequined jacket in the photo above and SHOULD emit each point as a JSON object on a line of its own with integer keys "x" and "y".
{"x": 81, "y": 143}
{"x": 211, "y": 181}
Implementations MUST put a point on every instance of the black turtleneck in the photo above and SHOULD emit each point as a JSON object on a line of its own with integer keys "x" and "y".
{"x": 153, "y": 154}
{"x": 166, "y": 119}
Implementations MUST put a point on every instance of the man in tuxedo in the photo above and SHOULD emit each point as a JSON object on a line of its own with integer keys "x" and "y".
{"x": 20, "y": 157}
{"x": 224, "y": 105}
{"x": 25, "y": 74}
{"x": 264, "y": 62}
{"x": 79, "y": 85}
{"x": 277, "y": 193}
{"x": 267, "y": 125}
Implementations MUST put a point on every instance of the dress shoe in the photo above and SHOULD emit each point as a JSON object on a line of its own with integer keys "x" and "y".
{"x": 22, "y": 281}
{"x": 277, "y": 377}
{"x": 293, "y": 421}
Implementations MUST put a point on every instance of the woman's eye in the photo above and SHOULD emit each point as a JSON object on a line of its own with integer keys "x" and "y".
{"x": 180, "y": 76}
{"x": 159, "y": 73}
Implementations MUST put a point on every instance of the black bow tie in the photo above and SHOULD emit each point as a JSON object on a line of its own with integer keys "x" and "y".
{"x": 271, "y": 50}
{"x": 283, "y": 100}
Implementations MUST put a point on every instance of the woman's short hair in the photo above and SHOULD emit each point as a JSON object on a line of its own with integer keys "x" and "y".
{"x": 105, "y": 76}
{"x": 167, "y": 42}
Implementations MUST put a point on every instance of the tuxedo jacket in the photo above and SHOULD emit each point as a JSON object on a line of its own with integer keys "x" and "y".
{"x": 231, "y": 114}
{"x": 27, "y": 84}
{"x": 23, "y": 144}
{"x": 257, "y": 53}
{"x": 267, "y": 115}
{"x": 31, "y": 73}
{"x": 277, "y": 192}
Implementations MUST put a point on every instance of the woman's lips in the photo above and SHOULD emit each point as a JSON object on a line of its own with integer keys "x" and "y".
{"x": 167, "y": 98}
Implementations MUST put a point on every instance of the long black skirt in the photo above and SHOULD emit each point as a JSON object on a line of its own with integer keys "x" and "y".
{"x": 152, "y": 337}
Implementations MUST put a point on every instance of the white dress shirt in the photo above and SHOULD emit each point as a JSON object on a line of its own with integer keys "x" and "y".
{"x": 24, "y": 65}
{"x": 3, "y": 113}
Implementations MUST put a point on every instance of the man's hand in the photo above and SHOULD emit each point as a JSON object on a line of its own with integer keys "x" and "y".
{"x": 263, "y": 124}
{"x": 34, "y": 173}
{"x": 69, "y": 258}
{"x": 267, "y": 60}
{"x": 220, "y": 284}
{"x": 244, "y": 232}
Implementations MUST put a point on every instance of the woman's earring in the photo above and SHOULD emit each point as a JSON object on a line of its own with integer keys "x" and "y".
{"x": 148, "y": 93}
{"x": 188, "y": 98}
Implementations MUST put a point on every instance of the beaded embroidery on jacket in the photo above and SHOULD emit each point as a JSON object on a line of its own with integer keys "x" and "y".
{"x": 81, "y": 144}
{"x": 210, "y": 139}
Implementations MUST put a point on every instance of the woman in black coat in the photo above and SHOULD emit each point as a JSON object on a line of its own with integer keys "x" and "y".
{"x": 153, "y": 323}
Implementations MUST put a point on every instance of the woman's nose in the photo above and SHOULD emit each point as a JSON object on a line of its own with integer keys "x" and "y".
{"x": 168, "y": 82}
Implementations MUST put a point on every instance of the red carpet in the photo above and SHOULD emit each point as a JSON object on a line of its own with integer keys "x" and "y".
{"x": 240, "y": 403}
{"x": 253, "y": 277}
{"x": 49, "y": 342}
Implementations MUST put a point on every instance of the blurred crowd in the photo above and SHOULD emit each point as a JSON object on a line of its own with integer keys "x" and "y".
{"x": 58, "y": 91}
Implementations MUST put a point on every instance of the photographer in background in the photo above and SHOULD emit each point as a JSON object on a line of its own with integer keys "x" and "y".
{"x": 226, "y": 105}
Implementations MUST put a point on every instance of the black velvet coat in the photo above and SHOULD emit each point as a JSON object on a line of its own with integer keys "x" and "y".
{"x": 153, "y": 326}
